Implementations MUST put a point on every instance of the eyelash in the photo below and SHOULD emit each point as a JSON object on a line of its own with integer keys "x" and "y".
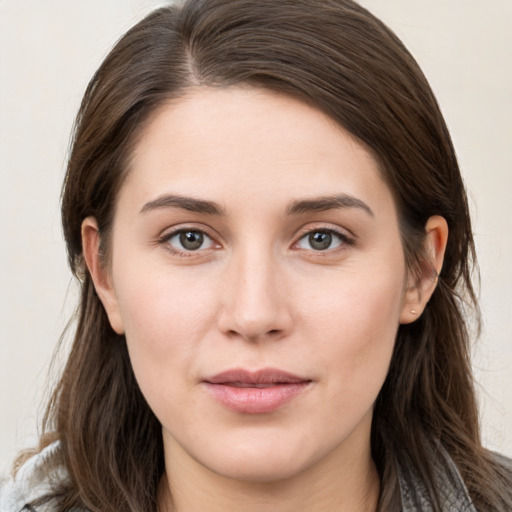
{"x": 165, "y": 240}
{"x": 344, "y": 240}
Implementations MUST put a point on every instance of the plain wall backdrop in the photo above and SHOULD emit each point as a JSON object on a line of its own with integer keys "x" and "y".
{"x": 49, "y": 50}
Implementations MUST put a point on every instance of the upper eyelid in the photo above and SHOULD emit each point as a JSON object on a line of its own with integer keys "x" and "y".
{"x": 343, "y": 232}
{"x": 169, "y": 232}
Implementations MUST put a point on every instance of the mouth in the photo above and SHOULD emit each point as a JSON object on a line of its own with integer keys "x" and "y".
{"x": 255, "y": 392}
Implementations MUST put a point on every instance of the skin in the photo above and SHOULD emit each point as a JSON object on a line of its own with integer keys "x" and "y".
{"x": 258, "y": 293}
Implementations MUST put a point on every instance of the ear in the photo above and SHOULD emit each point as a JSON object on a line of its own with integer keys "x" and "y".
{"x": 420, "y": 288}
{"x": 99, "y": 273}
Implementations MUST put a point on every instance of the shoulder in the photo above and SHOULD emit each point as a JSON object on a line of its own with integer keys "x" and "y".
{"x": 33, "y": 480}
{"x": 449, "y": 484}
{"x": 446, "y": 481}
{"x": 502, "y": 461}
{"x": 503, "y": 475}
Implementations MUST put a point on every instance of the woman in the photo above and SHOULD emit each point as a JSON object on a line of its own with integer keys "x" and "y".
{"x": 264, "y": 210}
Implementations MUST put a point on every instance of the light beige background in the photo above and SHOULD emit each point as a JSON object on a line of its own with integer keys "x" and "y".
{"x": 48, "y": 51}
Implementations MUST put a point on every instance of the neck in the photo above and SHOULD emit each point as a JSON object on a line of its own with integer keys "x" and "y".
{"x": 329, "y": 486}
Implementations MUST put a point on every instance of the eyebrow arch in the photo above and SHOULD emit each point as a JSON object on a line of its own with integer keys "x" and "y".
{"x": 184, "y": 203}
{"x": 322, "y": 204}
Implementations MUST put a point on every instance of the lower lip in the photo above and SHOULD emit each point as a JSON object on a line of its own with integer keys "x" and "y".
{"x": 256, "y": 400}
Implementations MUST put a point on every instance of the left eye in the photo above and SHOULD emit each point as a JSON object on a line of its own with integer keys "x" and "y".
{"x": 321, "y": 240}
{"x": 187, "y": 240}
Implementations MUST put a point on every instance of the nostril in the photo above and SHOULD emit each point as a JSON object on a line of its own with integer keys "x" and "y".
{"x": 273, "y": 333}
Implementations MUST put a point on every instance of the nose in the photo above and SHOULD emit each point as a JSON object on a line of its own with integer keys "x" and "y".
{"x": 254, "y": 302}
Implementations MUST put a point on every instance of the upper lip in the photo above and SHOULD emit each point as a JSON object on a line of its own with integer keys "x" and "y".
{"x": 262, "y": 376}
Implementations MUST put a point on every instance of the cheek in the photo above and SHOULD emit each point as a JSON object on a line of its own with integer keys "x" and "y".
{"x": 165, "y": 315}
{"x": 355, "y": 302}
{"x": 357, "y": 320}
{"x": 156, "y": 301}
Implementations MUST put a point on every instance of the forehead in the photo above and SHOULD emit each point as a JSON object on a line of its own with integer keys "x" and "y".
{"x": 241, "y": 141}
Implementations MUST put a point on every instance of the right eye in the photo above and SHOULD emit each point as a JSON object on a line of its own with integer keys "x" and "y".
{"x": 188, "y": 240}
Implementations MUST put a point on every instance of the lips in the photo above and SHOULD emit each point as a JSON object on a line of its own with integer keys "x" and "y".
{"x": 255, "y": 392}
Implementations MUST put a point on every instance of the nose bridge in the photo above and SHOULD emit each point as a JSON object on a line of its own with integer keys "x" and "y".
{"x": 254, "y": 305}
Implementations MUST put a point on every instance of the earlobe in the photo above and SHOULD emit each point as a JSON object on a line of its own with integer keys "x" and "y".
{"x": 422, "y": 286}
{"x": 99, "y": 273}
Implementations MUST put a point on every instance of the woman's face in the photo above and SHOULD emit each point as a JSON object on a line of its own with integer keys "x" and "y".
{"x": 257, "y": 272}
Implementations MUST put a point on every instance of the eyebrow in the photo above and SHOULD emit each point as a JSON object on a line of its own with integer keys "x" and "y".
{"x": 184, "y": 203}
{"x": 317, "y": 204}
{"x": 322, "y": 204}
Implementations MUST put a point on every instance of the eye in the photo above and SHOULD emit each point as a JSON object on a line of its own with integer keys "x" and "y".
{"x": 322, "y": 240}
{"x": 188, "y": 240}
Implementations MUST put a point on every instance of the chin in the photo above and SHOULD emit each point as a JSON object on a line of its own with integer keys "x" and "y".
{"x": 261, "y": 470}
{"x": 260, "y": 462}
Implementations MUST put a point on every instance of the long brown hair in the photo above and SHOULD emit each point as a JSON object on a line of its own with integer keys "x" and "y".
{"x": 338, "y": 57}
